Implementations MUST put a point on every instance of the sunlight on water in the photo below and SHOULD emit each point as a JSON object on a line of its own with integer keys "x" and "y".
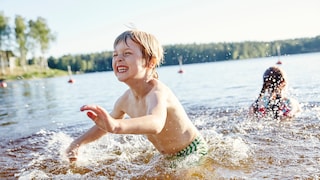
{"x": 238, "y": 147}
{"x": 40, "y": 118}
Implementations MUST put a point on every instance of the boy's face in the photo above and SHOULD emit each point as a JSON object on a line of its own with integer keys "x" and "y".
{"x": 127, "y": 62}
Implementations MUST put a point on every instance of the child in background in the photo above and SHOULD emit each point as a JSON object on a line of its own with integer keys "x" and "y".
{"x": 271, "y": 100}
{"x": 153, "y": 109}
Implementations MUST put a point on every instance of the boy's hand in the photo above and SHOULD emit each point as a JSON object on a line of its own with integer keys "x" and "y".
{"x": 72, "y": 152}
{"x": 100, "y": 116}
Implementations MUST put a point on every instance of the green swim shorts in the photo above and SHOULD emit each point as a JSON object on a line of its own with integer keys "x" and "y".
{"x": 198, "y": 146}
{"x": 197, "y": 149}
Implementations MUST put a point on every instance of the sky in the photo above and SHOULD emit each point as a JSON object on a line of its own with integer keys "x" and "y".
{"x": 90, "y": 26}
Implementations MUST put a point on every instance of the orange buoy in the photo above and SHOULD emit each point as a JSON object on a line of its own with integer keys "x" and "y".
{"x": 70, "y": 75}
{"x": 71, "y": 81}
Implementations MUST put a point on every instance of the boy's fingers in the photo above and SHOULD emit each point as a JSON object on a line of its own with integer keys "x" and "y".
{"x": 92, "y": 116}
{"x": 72, "y": 159}
{"x": 72, "y": 155}
{"x": 88, "y": 107}
{"x": 94, "y": 108}
{"x": 82, "y": 108}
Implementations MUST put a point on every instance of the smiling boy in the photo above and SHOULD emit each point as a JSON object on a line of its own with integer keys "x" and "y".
{"x": 152, "y": 108}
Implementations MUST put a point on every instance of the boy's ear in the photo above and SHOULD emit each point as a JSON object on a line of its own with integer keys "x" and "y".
{"x": 152, "y": 63}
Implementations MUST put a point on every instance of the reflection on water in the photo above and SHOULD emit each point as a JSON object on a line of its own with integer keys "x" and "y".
{"x": 39, "y": 119}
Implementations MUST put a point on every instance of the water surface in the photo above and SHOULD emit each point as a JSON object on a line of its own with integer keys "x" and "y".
{"x": 39, "y": 118}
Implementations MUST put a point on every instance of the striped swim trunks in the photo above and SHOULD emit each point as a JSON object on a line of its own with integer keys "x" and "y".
{"x": 198, "y": 146}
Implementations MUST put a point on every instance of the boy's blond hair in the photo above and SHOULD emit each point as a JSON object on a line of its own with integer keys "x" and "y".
{"x": 151, "y": 49}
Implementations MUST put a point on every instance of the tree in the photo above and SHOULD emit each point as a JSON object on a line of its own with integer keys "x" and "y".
{"x": 4, "y": 37}
{"x": 42, "y": 36}
{"x": 21, "y": 39}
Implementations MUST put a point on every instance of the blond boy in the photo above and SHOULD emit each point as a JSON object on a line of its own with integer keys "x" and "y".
{"x": 152, "y": 108}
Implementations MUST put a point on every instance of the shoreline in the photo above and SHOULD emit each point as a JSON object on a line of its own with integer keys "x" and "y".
{"x": 32, "y": 72}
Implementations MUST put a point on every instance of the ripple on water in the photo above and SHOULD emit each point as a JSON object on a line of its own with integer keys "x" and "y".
{"x": 239, "y": 147}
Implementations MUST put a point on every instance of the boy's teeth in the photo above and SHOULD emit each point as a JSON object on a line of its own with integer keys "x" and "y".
{"x": 122, "y": 69}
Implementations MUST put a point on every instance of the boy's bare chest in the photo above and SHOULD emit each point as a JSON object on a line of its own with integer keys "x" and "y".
{"x": 136, "y": 109}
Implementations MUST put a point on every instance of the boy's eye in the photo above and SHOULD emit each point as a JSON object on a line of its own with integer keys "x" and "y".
{"x": 126, "y": 53}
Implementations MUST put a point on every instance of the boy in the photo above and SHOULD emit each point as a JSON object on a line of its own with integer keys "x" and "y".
{"x": 152, "y": 107}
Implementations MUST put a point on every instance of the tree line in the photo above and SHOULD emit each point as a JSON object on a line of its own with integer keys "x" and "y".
{"x": 196, "y": 53}
{"x": 35, "y": 35}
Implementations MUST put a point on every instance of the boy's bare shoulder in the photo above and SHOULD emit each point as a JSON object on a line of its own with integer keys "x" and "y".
{"x": 161, "y": 86}
{"x": 124, "y": 97}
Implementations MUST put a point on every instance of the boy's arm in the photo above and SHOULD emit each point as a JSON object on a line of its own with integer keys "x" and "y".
{"x": 91, "y": 135}
{"x": 152, "y": 122}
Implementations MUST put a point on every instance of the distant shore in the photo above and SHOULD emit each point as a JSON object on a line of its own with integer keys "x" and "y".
{"x": 30, "y": 72}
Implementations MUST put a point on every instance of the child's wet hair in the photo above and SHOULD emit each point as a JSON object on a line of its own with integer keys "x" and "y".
{"x": 273, "y": 77}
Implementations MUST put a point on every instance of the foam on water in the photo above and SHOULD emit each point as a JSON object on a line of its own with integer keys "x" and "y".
{"x": 239, "y": 147}
{"x": 128, "y": 157}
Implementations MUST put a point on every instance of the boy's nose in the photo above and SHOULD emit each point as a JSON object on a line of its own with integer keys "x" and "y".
{"x": 119, "y": 57}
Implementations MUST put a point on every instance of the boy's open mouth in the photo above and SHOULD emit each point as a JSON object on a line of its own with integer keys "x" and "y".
{"x": 122, "y": 69}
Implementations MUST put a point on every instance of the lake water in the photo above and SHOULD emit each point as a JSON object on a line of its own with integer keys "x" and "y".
{"x": 39, "y": 118}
